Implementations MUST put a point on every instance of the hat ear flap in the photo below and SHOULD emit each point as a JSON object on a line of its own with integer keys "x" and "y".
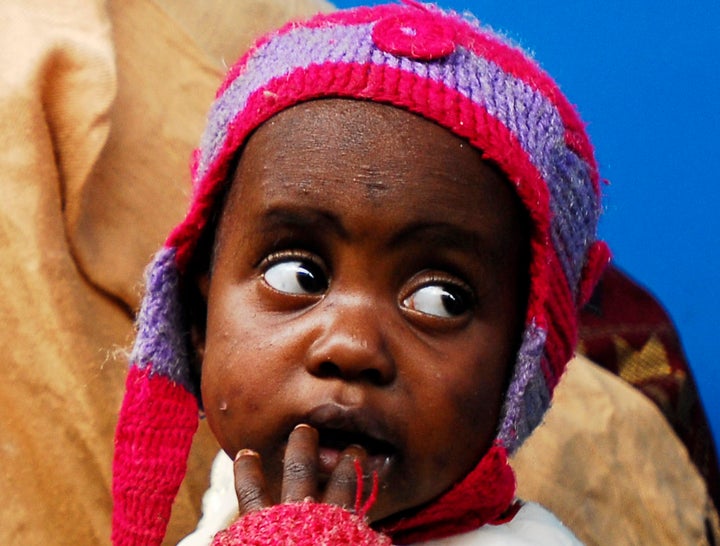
{"x": 159, "y": 414}
{"x": 598, "y": 257}
{"x": 155, "y": 430}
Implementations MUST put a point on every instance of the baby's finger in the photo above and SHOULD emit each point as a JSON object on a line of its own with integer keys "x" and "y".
{"x": 343, "y": 484}
{"x": 250, "y": 485}
{"x": 300, "y": 468}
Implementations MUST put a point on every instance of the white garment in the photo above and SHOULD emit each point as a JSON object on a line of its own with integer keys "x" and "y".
{"x": 532, "y": 525}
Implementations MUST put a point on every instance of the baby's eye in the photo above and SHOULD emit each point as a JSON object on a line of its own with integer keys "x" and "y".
{"x": 439, "y": 300}
{"x": 294, "y": 276}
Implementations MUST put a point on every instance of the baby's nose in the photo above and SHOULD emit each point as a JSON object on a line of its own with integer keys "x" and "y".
{"x": 352, "y": 343}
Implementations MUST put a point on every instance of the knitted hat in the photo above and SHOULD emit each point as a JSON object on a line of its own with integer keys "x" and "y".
{"x": 438, "y": 65}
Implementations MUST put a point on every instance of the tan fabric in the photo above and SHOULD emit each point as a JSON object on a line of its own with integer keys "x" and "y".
{"x": 607, "y": 463}
{"x": 167, "y": 79}
{"x": 100, "y": 106}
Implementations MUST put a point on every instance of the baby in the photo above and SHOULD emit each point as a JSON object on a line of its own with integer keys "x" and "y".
{"x": 374, "y": 293}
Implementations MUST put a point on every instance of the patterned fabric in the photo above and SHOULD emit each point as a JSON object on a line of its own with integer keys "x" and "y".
{"x": 624, "y": 329}
{"x": 447, "y": 69}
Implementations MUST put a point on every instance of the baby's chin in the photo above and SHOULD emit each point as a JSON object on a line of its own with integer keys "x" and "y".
{"x": 384, "y": 510}
{"x": 392, "y": 503}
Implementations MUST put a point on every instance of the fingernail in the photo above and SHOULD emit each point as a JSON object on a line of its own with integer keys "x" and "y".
{"x": 303, "y": 425}
{"x": 246, "y": 453}
{"x": 354, "y": 451}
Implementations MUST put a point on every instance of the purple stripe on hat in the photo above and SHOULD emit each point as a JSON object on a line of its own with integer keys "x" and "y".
{"x": 160, "y": 341}
{"x": 573, "y": 203}
{"x": 280, "y": 56}
{"x": 527, "y": 397}
{"x": 526, "y": 112}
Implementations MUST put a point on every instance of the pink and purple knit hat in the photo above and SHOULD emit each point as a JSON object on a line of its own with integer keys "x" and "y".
{"x": 414, "y": 56}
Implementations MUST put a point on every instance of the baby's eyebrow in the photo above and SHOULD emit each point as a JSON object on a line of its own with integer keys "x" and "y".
{"x": 440, "y": 234}
{"x": 289, "y": 218}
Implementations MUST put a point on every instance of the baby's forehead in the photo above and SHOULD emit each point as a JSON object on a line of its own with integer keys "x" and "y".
{"x": 307, "y": 163}
{"x": 367, "y": 133}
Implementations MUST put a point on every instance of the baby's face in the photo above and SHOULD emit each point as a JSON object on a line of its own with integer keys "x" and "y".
{"x": 370, "y": 281}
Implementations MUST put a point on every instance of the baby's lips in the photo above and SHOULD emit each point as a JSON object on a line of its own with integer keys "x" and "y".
{"x": 329, "y": 457}
{"x": 340, "y": 426}
{"x": 359, "y": 430}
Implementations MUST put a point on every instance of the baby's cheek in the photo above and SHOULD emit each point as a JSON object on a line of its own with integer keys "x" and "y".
{"x": 478, "y": 417}
{"x": 216, "y": 412}
{"x": 224, "y": 417}
{"x": 222, "y": 410}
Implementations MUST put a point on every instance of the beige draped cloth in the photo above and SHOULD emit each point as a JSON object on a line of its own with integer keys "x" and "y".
{"x": 100, "y": 107}
{"x": 101, "y": 104}
{"x": 608, "y": 464}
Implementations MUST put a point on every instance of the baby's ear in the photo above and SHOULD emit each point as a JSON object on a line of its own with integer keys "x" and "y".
{"x": 199, "y": 317}
{"x": 202, "y": 281}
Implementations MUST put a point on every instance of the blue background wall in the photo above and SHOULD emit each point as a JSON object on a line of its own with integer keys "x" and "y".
{"x": 646, "y": 78}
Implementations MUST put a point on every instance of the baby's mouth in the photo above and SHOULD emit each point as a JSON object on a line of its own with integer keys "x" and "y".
{"x": 332, "y": 443}
{"x": 339, "y": 428}
{"x": 339, "y": 440}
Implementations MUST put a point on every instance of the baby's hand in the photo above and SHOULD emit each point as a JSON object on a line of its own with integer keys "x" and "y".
{"x": 292, "y": 520}
{"x": 300, "y": 475}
